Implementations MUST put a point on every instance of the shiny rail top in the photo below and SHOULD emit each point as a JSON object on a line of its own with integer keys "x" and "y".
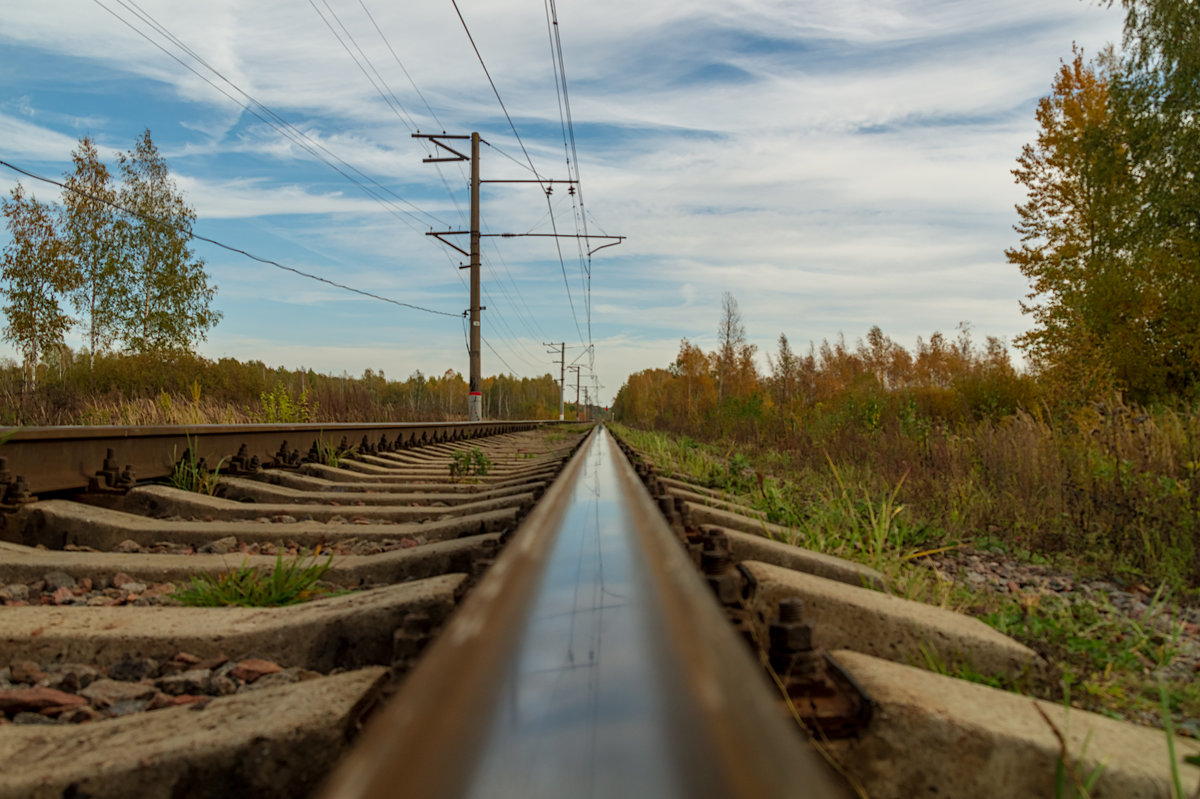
{"x": 591, "y": 661}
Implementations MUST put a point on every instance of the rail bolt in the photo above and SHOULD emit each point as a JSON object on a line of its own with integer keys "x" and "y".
{"x": 722, "y": 578}
{"x": 666, "y": 505}
{"x": 412, "y": 637}
{"x": 127, "y": 479}
{"x": 17, "y": 492}
{"x": 790, "y": 637}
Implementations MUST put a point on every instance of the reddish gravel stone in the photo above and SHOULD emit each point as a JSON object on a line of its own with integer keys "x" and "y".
{"x": 158, "y": 589}
{"x": 407, "y": 543}
{"x": 105, "y": 693}
{"x": 250, "y": 670}
{"x": 80, "y": 715}
{"x": 161, "y": 700}
{"x": 27, "y": 672}
{"x": 120, "y": 578}
{"x": 63, "y": 596}
{"x": 188, "y": 682}
{"x": 17, "y": 700}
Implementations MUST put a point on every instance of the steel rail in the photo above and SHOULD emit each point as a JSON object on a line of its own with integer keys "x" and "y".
{"x": 66, "y": 458}
{"x": 590, "y": 660}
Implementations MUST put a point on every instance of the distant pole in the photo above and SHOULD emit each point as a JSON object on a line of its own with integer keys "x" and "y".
{"x": 475, "y": 397}
{"x": 562, "y": 373}
{"x": 576, "y": 370}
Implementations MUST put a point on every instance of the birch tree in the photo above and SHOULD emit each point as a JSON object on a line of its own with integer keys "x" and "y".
{"x": 92, "y": 233}
{"x": 36, "y": 274}
{"x": 169, "y": 302}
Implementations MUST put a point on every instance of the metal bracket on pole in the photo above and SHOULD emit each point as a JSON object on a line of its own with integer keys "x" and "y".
{"x": 436, "y": 138}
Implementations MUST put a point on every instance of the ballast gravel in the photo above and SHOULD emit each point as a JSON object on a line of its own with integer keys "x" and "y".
{"x": 76, "y": 693}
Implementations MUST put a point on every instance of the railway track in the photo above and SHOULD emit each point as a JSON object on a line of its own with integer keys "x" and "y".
{"x": 505, "y": 609}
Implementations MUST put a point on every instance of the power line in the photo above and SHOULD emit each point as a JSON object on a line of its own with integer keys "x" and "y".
{"x": 560, "y": 82}
{"x": 268, "y": 116}
{"x": 428, "y": 107}
{"x": 192, "y": 235}
{"x": 488, "y": 344}
{"x": 390, "y": 99}
{"x": 500, "y": 100}
{"x": 413, "y": 83}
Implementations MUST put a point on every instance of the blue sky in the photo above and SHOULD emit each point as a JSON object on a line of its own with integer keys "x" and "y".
{"x": 834, "y": 164}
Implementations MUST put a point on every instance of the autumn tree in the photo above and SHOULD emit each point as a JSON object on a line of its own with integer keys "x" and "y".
{"x": 168, "y": 306}
{"x": 92, "y": 233}
{"x": 731, "y": 334}
{"x": 733, "y": 361}
{"x": 699, "y": 391}
{"x": 1156, "y": 94}
{"x": 36, "y": 274}
{"x": 1088, "y": 300}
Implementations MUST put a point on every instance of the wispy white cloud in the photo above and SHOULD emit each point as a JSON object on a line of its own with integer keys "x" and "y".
{"x": 834, "y": 163}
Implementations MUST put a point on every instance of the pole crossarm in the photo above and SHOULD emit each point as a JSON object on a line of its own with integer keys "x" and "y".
{"x": 436, "y": 138}
{"x": 437, "y": 234}
{"x": 544, "y": 182}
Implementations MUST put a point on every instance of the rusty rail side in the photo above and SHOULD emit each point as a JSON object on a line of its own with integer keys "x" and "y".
{"x": 65, "y": 458}
{"x": 590, "y": 660}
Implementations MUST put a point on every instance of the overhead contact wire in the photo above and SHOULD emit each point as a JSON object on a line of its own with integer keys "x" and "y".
{"x": 537, "y": 176}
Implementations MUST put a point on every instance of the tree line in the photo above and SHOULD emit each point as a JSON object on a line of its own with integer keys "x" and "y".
{"x": 115, "y": 253}
{"x": 1110, "y": 228}
{"x": 722, "y": 393}
{"x": 185, "y": 388}
{"x": 1109, "y": 241}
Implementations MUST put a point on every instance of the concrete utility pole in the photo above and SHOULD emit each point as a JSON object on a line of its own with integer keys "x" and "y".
{"x": 562, "y": 373}
{"x": 475, "y": 384}
{"x": 475, "y": 397}
{"x": 576, "y": 369}
{"x": 475, "y": 381}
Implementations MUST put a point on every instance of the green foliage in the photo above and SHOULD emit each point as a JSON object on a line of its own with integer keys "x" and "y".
{"x": 93, "y": 234}
{"x": 35, "y": 274}
{"x": 279, "y": 407}
{"x": 464, "y": 463}
{"x": 251, "y": 586}
{"x": 168, "y": 303}
{"x": 1091, "y": 639}
{"x": 1169, "y": 727}
{"x": 329, "y": 453}
{"x": 976, "y": 447}
{"x": 191, "y": 473}
{"x": 840, "y": 504}
{"x": 1109, "y": 236}
{"x": 1077, "y": 177}
{"x": 959, "y": 669}
{"x": 131, "y": 275}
